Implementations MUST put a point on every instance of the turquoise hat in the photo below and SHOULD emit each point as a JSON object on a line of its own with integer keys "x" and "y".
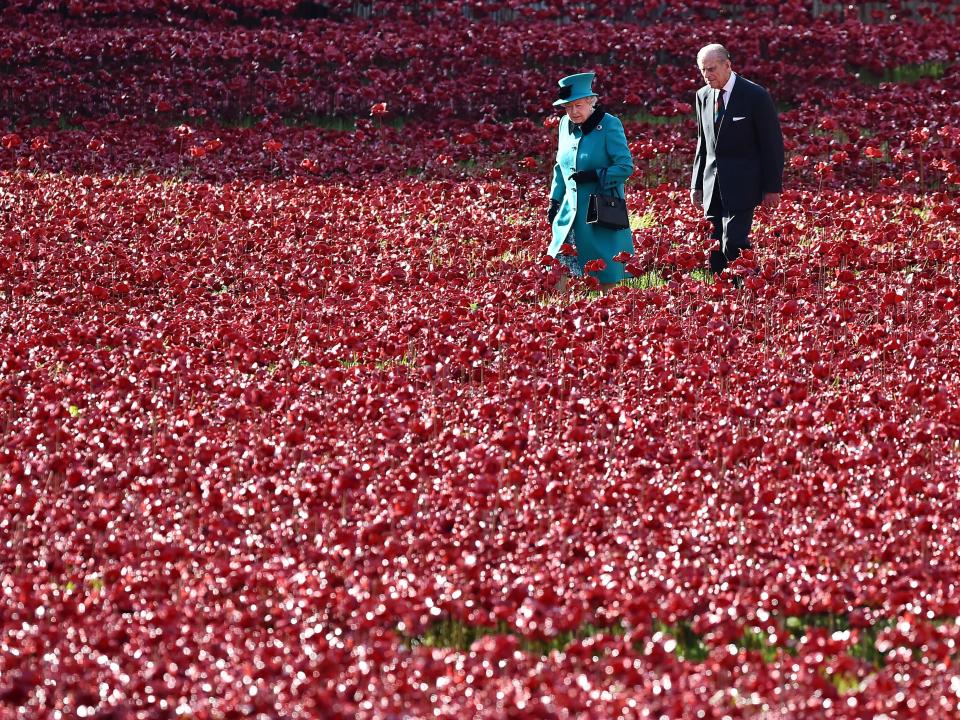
{"x": 574, "y": 87}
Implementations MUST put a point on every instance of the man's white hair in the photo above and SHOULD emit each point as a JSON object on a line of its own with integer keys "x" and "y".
{"x": 713, "y": 49}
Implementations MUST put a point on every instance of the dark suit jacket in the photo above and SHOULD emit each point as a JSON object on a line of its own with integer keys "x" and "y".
{"x": 745, "y": 159}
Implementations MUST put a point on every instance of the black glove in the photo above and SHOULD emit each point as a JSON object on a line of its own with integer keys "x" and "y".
{"x": 584, "y": 176}
{"x": 552, "y": 212}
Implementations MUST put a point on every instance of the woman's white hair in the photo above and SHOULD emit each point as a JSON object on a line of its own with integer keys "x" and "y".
{"x": 594, "y": 99}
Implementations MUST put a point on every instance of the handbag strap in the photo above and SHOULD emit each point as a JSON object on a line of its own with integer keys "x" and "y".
{"x": 602, "y": 180}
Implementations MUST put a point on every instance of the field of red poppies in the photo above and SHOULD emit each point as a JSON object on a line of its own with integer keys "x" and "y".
{"x": 291, "y": 427}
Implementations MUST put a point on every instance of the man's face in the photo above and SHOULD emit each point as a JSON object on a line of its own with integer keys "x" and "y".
{"x": 579, "y": 110}
{"x": 715, "y": 70}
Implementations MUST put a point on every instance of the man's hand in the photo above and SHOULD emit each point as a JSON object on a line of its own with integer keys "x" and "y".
{"x": 771, "y": 200}
{"x": 696, "y": 198}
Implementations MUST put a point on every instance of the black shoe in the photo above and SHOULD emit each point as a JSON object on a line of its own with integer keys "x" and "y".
{"x": 717, "y": 261}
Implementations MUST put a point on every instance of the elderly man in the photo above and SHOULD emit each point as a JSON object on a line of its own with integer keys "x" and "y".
{"x": 739, "y": 160}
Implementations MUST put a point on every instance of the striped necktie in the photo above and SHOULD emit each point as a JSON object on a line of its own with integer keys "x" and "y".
{"x": 718, "y": 111}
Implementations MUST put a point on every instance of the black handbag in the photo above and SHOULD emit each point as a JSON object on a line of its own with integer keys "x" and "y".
{"x": 609, "y": 211}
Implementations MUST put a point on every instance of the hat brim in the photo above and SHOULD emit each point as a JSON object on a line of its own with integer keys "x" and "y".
{"x": 573, "y": 98}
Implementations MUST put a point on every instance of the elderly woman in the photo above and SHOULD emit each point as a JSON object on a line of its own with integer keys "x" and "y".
{"x": 591, "y": 141}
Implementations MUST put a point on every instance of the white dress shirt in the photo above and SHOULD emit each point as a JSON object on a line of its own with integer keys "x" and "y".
{"x": 726, "y": 90}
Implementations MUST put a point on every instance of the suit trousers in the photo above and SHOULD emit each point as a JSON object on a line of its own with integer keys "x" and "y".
{"x": 730, "y": 229}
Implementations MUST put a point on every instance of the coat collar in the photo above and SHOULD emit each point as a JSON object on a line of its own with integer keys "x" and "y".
{"x": 592, "y": 122}
{"x": 729, "y": 86}
{"x": 709, "y": 92}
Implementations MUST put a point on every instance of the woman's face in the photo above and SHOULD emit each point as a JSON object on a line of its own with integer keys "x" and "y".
{"x": 579, "y": 110}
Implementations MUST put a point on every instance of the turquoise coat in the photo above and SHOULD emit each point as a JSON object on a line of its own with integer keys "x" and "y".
{"x": 596, "y": 146}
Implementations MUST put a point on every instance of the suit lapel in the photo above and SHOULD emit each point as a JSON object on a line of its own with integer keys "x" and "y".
{"x": 706, "y": 116}
{"x": 730, "y": 105}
